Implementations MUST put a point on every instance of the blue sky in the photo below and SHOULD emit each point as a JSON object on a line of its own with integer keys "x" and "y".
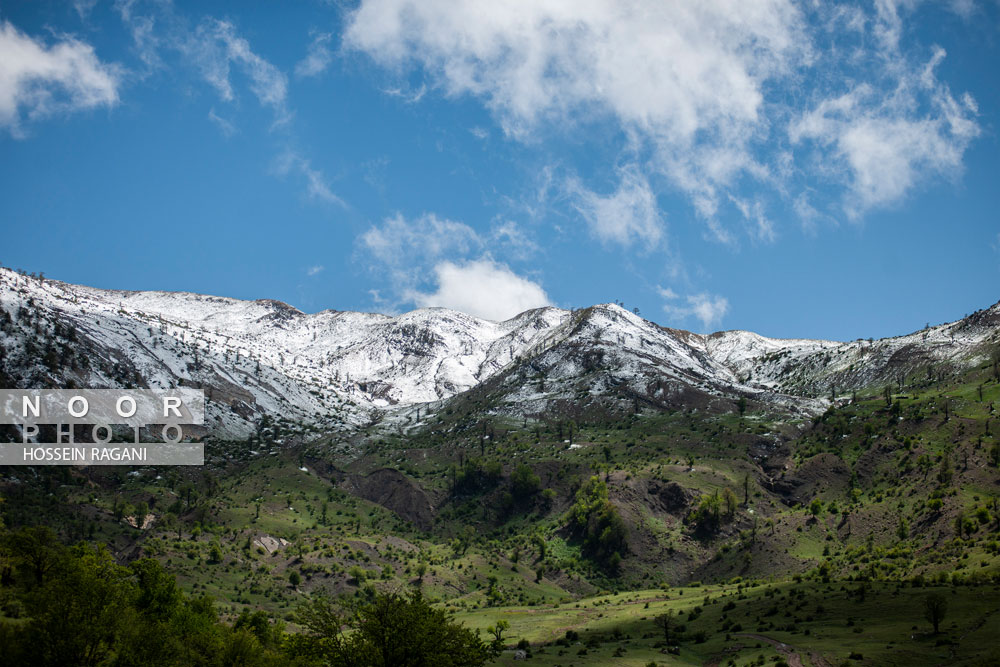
{"x": 802, "y": 170}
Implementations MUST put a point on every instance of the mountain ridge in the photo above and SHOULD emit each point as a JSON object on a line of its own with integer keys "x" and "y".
{"x": 348, "y": 369}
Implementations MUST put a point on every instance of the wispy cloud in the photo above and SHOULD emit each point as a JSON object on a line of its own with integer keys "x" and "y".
{"x": 83, "y": 8}
{"x": 38, "y": 80}
{"x": 316, "y": 186}
{"x": 406, "y": 94}
{"x": 217, "y": 47}
{"x": 314, "y": 270}
{"x": 707, "y": 308}
{"x": 760, "y": 227}
{"x": 227, "y": 128}
{"x": 887, "y": 145}
{"x": 628, "y": 214}
{"x": 318, "y": 58}
{"x": 213, "y": 47}
{"x": 408, "y": 246}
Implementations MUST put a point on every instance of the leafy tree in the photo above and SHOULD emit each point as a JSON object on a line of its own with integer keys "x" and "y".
{"x": 596, "y": 521}
{"x": 815, "y": 507}
{"x": 497, "y": 630}
{"x": 524, "y": 483}
{"x": 35, "y": 549}
{"x": 730, "y": 502}
{"x": 421, "y": 571}
{"x": 260, "y": 626}
{"x": 538, "y": 539}
{"x": 391, "y": 630}
{"x": 78, "y": 614}
{"x": 708, "y": 514}
{"x": 158, "y": 595}
{"x": 294, "y": 578}
{"x": 903, "y": 529}
{"x": 945, "y": 471}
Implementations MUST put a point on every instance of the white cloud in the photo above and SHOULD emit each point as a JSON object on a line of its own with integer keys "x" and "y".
{"x": 318, "y": 57}
{"x": 227, "y": 128}
{"x": 512, "y": 237}
{"x": 666, "y": 292}
{"x": 411, "y": 253}
{"x": 213, "y": 47}
{"x": 760, "y": 226}
{"x": 629, "y": 214}
{"x": 707, "y": 308}
{"x": 703, "y": 92}
{"x": 406, "y": 94}
{"x": 403, "y": 244}
{"x": 481, "y": 288}
{"x": 314, "y": 270}
{"x": 216, "y": 46}
{"x": 888, "y": 144}
{"x": 83, "y": 8}
{"x": 964, "y": 8}
{"x": 37, "y": 81}
{"x": 316, "y": 186}
{"x": 678, "y": 75}
{"x": 808, "y": 216}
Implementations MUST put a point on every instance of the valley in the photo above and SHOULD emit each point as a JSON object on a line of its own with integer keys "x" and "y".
{"x": 577, "y": 474}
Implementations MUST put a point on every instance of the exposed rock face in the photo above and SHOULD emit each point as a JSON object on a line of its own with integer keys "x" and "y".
{"x": 395, "y": 491}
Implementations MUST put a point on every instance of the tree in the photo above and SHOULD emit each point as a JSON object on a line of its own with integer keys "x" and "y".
{"x": 665, "y": 622}
{"x": 935, "y": 608}
{"x": 390, "y": 630}
{"x": 497, "y": 630}
{"x": 594, "y": 518}
{"x": 730, "y": 502}
{"x": 709, "y": 512}
{"x": 741, "y": 405}
{"x": 36, "y": 549}
{"x": 158, "y": 595}
{"x": 815, "y": 507}
{"x": 294, "y": 578}
{"x": 524, "y": 483}
{"x": 79, "y": 613}
{"x": 421, "y": 571}
{"x": 538, "y": 539}
{"x": 945, "y": 471}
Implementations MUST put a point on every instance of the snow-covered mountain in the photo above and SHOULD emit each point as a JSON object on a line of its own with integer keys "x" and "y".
{"x": 344, "y": 369}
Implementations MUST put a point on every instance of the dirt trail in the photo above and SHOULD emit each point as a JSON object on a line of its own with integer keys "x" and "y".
{"x": 787, "y": 651}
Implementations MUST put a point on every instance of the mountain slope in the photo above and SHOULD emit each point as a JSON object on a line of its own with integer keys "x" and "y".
{"x": 346, "y": 369}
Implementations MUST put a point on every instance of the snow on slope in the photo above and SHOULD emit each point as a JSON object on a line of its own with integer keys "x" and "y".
{"x": 347, "y": 368}
{"x": 265, "y": 356}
